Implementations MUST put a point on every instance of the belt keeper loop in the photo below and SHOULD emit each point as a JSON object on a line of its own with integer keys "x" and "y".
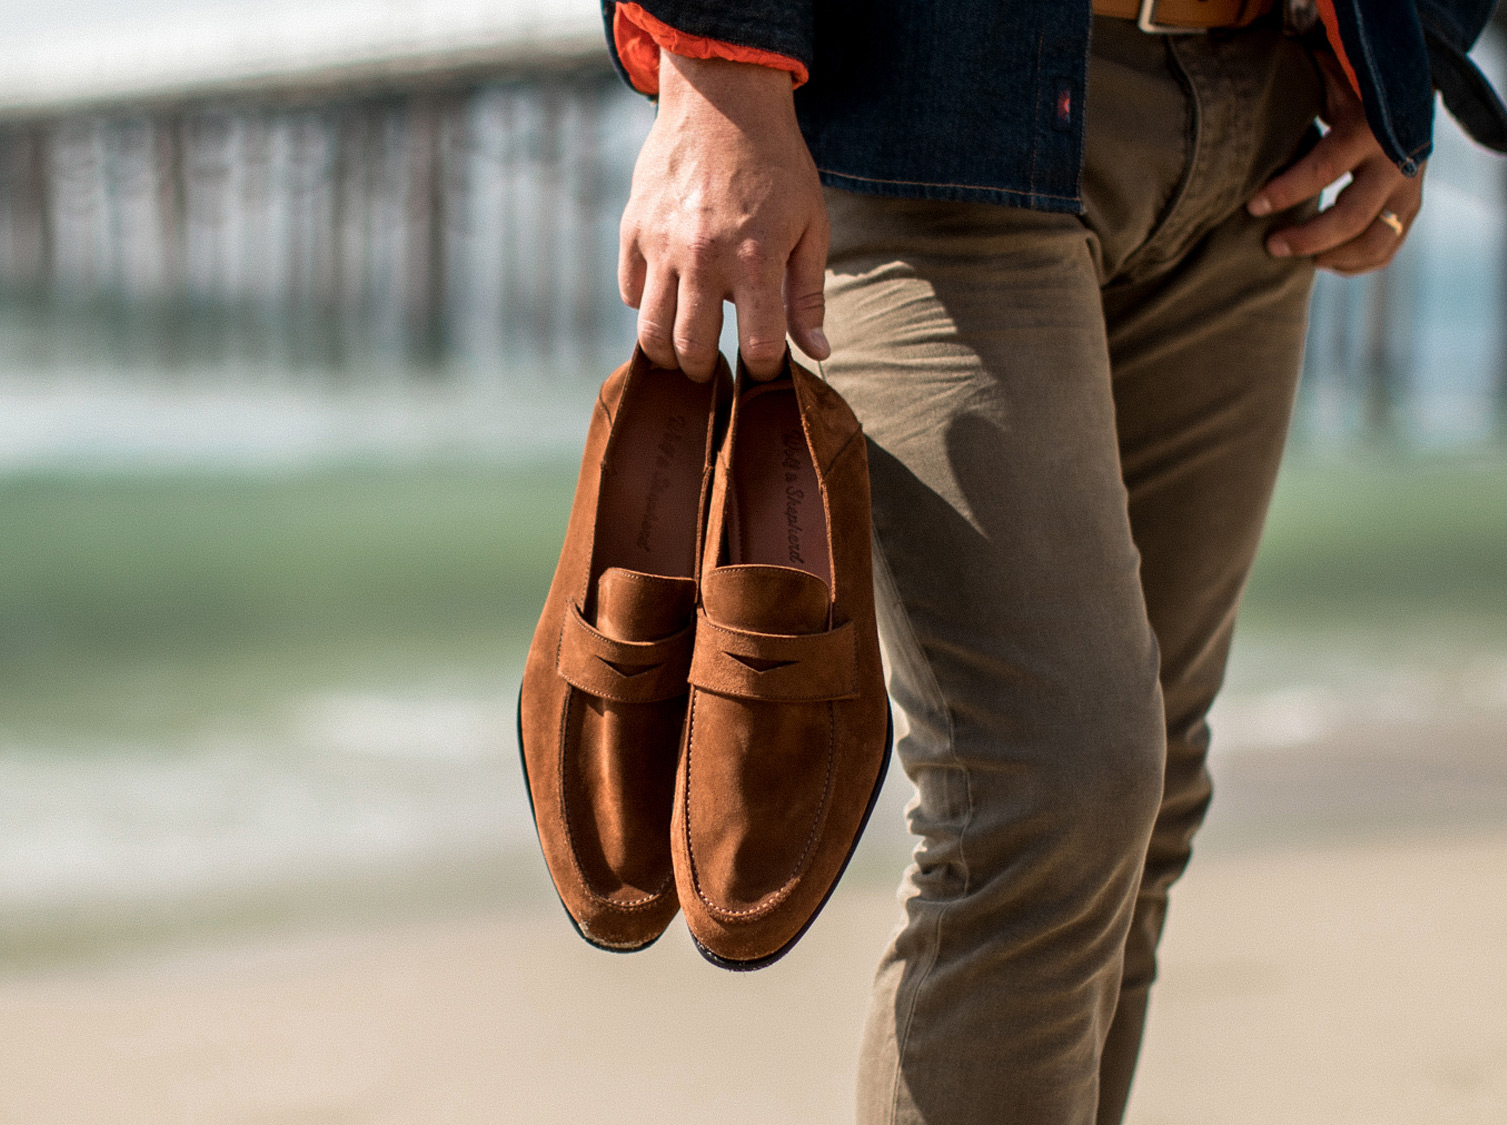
{"x": 1146, "y": 21}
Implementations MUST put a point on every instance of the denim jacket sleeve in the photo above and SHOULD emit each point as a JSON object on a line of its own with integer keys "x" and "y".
{"x": 1401, "y": 53}
{"x": 982, "y": 100}
{"x": 782, "y": 27}
{"x": 1449, "y": 29}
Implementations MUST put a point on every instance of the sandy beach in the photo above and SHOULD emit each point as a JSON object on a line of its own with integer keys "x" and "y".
{"x": 1373, "y": 997}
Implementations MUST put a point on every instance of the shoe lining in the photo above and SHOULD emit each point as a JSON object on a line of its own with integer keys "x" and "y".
{"x": 777, "y": 517}
{"x": 651, "y": 491}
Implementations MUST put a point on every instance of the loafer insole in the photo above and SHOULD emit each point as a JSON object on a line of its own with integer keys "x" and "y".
{"x": 651, "y": 492}
{"x": 776, "y": 516}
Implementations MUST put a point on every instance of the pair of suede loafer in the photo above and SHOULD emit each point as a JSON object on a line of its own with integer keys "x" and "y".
{"x": 703, "y": 720}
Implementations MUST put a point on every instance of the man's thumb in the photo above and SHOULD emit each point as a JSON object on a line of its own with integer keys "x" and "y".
{"x": 805, "y": 306}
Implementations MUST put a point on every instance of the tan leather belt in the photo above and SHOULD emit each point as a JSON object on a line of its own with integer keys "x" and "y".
{"x": 1171, "y": 17}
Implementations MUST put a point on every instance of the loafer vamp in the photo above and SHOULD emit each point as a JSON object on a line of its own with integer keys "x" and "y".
{"x": 785, "y": 753}
{"x": 618, "y": 755}
{"x": 757, "y": 799}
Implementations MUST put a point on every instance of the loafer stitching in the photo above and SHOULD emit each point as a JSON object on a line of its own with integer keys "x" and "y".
{"x": 634, "y": 904}
{"x": 723, "y": 639}
{"x": 779, "y": 896}
{"x": 664, "y": 673}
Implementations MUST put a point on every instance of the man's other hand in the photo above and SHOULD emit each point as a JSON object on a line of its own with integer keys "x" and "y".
{"x": 1352, "y": 236}
{"x": 726, "y": 206}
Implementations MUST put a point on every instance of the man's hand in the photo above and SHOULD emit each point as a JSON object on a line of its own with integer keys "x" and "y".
{"x": 726, "y": 205}
{"x": 1350, "y": 237}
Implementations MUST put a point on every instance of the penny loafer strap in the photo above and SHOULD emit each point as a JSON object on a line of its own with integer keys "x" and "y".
{"x": 623, "y": 671}
{"x": 775, "y": 667}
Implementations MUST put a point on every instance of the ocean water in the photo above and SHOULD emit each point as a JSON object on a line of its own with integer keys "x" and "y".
{"x": 338, "y": 785}
{"x": 259, "y": 686}
{"x": 249, "y": 693}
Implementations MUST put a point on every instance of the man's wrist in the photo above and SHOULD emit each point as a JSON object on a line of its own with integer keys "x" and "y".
{"x": 717, "y": 78}
{"x": 754, "y": 96}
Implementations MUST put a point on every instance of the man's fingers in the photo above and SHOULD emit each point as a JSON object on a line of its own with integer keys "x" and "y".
{"x": 761, "y": 326}
{"x": 656, "y": 318}
{"x": 631, "y": 272}
{"x": 760, "y": 269}
{"x": 698, "y": 327}
{"x": 1326, "y": 162}
{"x": 805, "y": 305}
{"x": 1375, "y": 248}
{"x": 1353, "y": 211}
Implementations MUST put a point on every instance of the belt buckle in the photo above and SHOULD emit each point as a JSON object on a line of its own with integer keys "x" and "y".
{"x": 1146, "y": 21}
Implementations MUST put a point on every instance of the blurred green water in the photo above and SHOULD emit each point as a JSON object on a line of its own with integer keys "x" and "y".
{"x": 1394, "y": 544}
{"x": 174, "y": 649}
{"x": 137, "y": 606}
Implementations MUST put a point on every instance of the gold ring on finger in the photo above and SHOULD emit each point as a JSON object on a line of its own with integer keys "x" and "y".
{"x": 1391, "y": 219}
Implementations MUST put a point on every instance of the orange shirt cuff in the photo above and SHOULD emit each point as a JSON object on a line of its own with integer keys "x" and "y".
{"x": 639, "y": 36}
{"x": 1332, "y": 31}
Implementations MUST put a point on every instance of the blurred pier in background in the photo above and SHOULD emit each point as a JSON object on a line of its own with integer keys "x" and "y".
{"x": 428, "y": 193}
{"x": 470, "y": 221}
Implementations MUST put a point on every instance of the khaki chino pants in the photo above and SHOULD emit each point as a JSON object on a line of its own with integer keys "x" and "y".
{"x": 1075, "y": 424}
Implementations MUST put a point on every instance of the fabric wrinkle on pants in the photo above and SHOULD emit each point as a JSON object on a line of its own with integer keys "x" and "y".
{"x": 1074, "y": 426}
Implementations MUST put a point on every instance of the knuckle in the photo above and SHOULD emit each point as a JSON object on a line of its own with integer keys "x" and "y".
{"x": 815, "y": 301}
{"x": 654, "y": 338}
{"x": 1329, "y": 166}
{"x": 694, "y": 365}
{"x": 691, "y": 347}
{"x": 703, "y": 254}
{"x": 754, "y": 258}
{"x": 763, "y": 349}
{"x": 1350, "y": 226}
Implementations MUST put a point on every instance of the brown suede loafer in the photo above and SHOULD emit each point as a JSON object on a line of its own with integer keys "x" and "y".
{"x": 787, "y": 733}
{"x": 603, "y": 700}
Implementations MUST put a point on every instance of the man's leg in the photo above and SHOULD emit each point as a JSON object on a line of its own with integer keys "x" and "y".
{"x": 970, "y": 341}
{"x": 1206, "y": 334}
{"x": 1206, "y": 363}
